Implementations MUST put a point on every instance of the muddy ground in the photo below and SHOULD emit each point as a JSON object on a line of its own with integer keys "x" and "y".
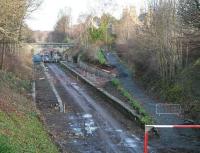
{"x": 89, "y": 124}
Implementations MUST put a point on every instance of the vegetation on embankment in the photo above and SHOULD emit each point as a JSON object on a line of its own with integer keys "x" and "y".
{"x": 183, "y": 90}
{"x": 20, "y": 126}
{"x": 163, "y": 51}
{"x": 145, "y": 118}
{"x": 94, "y": 55}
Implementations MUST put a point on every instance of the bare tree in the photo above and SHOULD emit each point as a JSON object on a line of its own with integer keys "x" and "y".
{"x": 62, "y": 27}
{"x": 189, "y": 10}
{"x": 12, "y": 21}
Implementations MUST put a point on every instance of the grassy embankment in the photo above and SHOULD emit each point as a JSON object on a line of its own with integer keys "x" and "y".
{"x": 20, "y": 128}
{"x": 145, "y": 118}
{"x": 184, "y": 89}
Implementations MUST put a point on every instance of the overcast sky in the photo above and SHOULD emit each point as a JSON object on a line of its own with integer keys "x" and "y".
{"x": 46, "y": 16}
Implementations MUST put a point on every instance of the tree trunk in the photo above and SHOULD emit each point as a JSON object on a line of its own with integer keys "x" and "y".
{"x": 2, "y": 55}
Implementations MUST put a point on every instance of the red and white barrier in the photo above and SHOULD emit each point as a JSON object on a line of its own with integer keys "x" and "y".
{"x": 148, "y": 128}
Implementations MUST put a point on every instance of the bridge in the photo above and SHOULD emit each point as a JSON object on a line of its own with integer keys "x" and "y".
{"x": 53, "y": 45}
{"x": 62, "y": 47}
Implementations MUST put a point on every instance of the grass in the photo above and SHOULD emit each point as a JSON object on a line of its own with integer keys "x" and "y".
{"x": 20, "y": 127}
{"x": 21, "y": 130}
{"x": 145, "y": 117}
{"x": 17, "y": 84}
{"x": 5, "y": 145}
{"x": 23, "y": 134}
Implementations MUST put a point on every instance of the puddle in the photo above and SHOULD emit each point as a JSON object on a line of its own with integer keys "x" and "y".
{"x": 90, "y": 126}
{"x": 87, "y": 116}
{"x": 78, "y": 131}
{"x": 129, "y": 142}
{"x": 136, "y": 138}
{"x": 75, "y": 86}
{"x": 90, "y": 130}
{"x": 85, "y": 134}
{"x": 82, "y": 125}
{"x": 119, "y": 130}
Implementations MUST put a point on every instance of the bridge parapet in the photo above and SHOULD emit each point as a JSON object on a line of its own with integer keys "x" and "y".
{"x": 52, "y": 44}
{"x": 62, "y": 46}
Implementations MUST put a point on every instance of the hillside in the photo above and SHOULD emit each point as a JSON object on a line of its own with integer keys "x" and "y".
{"x": 20, "y": 127}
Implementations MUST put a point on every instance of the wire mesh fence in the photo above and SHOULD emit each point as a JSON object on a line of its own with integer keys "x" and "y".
{"x": 164, "y": 109}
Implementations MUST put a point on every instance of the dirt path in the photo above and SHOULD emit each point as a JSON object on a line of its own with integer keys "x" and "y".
{"x": 89, "y": 124}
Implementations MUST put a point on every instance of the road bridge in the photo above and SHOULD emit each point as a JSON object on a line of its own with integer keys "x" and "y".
{"x": 61, "y": 47}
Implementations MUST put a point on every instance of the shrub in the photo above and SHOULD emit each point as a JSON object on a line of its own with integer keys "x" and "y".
{"x": 146, "y": 120}
{"x": 101, "y": 57}
{"x": 175, "y": 93}
{"x": 115, "y": 82}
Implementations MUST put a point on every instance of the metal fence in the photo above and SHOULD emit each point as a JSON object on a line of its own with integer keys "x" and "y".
{"x": 168, "y": 109}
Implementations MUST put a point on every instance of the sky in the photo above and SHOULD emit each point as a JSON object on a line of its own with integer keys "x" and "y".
{"x": 46, "y": 16}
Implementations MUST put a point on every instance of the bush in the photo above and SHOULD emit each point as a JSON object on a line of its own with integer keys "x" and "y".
{"x": 101, "y": 57}
{"x": 147, "y": 120}
{"x": 175, "y": 93}
{"x": 115, "y": 82}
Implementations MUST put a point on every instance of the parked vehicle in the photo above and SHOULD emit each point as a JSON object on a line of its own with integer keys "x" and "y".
{"x": 37, "y": 58}
{"x": 51, "y": 57}
{"x": 46, "y": 58}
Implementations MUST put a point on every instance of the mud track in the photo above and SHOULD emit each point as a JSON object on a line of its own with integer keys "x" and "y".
{"x": 89, "y": 124}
